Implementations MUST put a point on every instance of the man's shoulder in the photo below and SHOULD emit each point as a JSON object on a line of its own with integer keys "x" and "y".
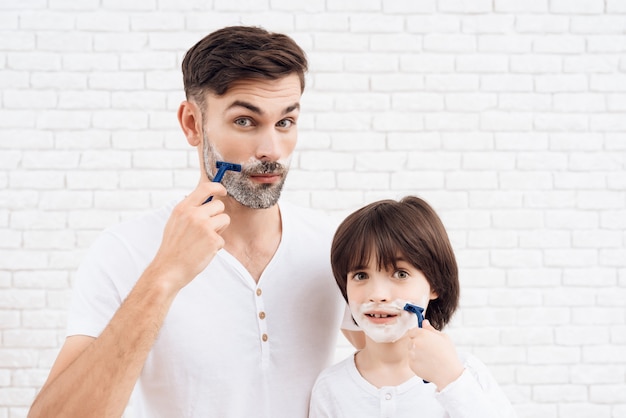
{"x": 309, "y": 218}
{"x": 147, "y": 225}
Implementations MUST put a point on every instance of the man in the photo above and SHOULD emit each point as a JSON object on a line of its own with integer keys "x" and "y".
{"x": 223, "y": 309}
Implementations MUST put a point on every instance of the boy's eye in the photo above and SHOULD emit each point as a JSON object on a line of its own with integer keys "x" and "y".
{"x": 359, "y": 276}
{"x": 401, "y": 274}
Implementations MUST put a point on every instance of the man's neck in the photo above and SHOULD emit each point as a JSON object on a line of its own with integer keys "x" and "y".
{"x": 253, "y": 235}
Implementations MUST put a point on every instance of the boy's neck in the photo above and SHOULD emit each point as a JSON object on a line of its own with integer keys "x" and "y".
{"x": 384, "y": 364}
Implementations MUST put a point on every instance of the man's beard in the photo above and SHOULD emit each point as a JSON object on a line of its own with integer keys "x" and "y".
{"x": 239, "y": 186}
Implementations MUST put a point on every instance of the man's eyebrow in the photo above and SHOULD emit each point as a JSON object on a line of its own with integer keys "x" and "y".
{"x": 257, "y": 110}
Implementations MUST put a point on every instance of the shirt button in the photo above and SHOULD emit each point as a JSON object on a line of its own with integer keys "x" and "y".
{"x": 262, "y": 315}
{"x": 264, "y": 337}
{"x": 258, "y": 292}
{"x": 388, "y": 396}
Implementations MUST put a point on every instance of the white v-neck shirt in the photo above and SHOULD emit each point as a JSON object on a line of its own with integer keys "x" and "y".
{"x": 229, "y": 347}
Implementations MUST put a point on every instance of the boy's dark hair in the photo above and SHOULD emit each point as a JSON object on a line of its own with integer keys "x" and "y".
{"x": 239, "y": 53}
{"x": 409, "y": 228}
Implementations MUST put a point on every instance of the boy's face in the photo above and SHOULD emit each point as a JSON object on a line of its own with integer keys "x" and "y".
{"x": 377, "y": 299}
{"x": 253, "y": 124}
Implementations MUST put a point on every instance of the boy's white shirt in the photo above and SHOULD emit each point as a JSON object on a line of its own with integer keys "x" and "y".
{"x": 341, "y": 391}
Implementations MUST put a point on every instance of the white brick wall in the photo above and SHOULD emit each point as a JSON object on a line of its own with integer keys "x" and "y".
{"x": 509, "y": 116}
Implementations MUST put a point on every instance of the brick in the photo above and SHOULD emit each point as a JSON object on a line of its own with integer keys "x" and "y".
{"x": 471, "y": 102}
{"x": 341, "y": 82}
{"x": 417, "y": 180}
{"x": 507, "y": 83}
{"x": 504, "y": 44}
{"x": 541, "y": 24}
{"x": 505, "y": 121}
{"x": 376, "y": 22}
{"x": 409, "y": 7}
{"x": 55, "y": 119}
{"x": 449, "y": 43}
{"x": 543, "y": 375}
{"x": 352, "y": 5}
{"x": 561, "y": 122}
{"x": 531, "y": 6}
{"x": 534, "y": 277}
{"x": 560, "y": 83}
{"x": 44, "y": 279}
{"x": 341, "y": 42}
{"x": 562, "y": 44}
{"x": 371, "y": 63}
{"x": 460, "y": 6}
{"x": 615, "y": 6}
{"x": 510, "y": 141}
{"x": 59, "y": 81}
{"x": 595, "y": 63}
{"x": 580, "y": 276}
{"x": 36, "y": 99}
{"x": 426, "y": 63}
{"x": 84, "y": 100}
{"x": 366, "y": 141}
{"x": 413, "y": 141}
{"x": 480, "y": 63}
{"x": 33, "y": 179}
{"x": 536, "y": 64}
{"x": 90, "y": 61}
{"x": 488, "y": 24}
{"x": 467, "y": 141}
{"x": 606, "y": 44}
{"x": 51, "y": 160}
{"x": 362, "y": 181}
{"x": 524, "y": 102}
{"x": 544, "y": 239}
{"x": 146, "y": 179}
{"x": 452, "y": 83}
{"x": 421, "y": 161}
{"x": 157, "y": 21}
{"x": 36, "y": 61}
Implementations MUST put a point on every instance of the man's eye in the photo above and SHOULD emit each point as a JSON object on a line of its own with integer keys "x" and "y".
{"x": 244, "y": 122}
{"x": 285, "y": 123}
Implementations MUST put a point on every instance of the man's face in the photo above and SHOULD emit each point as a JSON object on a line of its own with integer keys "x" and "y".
{"x": 253, "y": 124}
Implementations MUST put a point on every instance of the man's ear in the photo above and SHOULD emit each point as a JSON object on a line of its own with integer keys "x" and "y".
{"x": 190, "y": 119}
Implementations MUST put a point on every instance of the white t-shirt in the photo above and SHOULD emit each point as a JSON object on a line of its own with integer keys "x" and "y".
{"x": 229, "y": 347}
{"x": 341, "y": 392}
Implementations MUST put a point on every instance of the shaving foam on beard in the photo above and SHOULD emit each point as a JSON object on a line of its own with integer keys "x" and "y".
{"x": 385, "y": 333}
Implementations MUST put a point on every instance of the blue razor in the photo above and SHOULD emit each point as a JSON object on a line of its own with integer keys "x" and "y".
{"x": 417, "y": 310}
{"x": 221, "y": 169}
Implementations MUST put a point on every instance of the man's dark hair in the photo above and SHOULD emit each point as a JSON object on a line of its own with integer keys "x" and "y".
{"x": 239, "y": 53}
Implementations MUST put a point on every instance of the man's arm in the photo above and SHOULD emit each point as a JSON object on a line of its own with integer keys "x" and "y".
{"x": 95, "y": 377}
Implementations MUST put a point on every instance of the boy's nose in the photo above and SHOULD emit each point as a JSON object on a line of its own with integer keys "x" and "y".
{"x": 379, "y": 291}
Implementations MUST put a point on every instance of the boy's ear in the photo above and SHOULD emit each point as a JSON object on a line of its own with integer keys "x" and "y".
{"x": 190, "y": 120}
{"x": 433, "y": 295}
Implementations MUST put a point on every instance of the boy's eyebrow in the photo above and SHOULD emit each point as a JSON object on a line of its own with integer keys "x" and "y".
{"x": 258, "y": 110}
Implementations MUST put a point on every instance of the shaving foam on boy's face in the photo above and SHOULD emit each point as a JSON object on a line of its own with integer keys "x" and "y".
{"x": 385, "y": 322}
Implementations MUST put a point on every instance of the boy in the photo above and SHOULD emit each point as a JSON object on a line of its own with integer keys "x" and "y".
{"x": 384, "y": 256}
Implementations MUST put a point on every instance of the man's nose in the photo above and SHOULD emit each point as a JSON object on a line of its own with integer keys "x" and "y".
{"x": 268, "y": 148}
